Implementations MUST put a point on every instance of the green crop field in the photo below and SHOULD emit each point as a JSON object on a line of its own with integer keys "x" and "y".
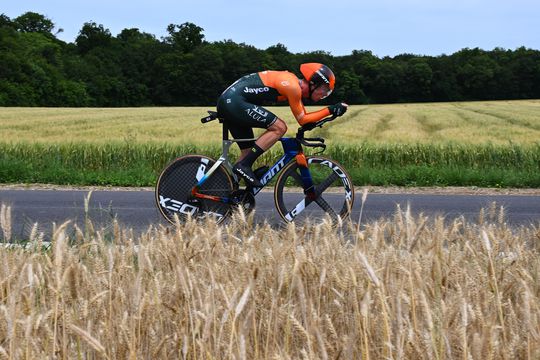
{"x": 493, "y": 144}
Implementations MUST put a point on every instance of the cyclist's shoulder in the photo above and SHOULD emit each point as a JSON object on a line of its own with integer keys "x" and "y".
{"x": 286, "y": 83}
{"x": 274, "y": 77}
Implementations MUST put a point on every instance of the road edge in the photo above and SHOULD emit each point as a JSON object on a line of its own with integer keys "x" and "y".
{"x": 450, "y": 190}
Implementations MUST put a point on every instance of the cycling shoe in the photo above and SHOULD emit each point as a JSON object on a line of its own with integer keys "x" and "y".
{"x": 247, "y": 174}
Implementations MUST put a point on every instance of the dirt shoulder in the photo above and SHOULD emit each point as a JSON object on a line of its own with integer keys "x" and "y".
{"x": 359, "y": 189}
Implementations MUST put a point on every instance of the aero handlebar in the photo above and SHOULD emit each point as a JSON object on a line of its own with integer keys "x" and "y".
{"x": 320, "y": 123}
{"x": 319, "y": 142}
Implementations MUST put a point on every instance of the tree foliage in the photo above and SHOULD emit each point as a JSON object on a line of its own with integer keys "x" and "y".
{"x": 134, "y": 68}
{"x": 34, "y": 22}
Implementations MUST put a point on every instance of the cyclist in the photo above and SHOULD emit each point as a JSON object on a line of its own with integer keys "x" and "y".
{"x": 240, "y": 106}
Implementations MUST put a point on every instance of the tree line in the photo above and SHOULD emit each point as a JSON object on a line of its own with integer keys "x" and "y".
{"x": 135, "y": 68}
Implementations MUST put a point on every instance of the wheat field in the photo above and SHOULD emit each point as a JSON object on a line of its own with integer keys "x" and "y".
{"x": 494, "y": 122}
{"x": 408, "y": 287}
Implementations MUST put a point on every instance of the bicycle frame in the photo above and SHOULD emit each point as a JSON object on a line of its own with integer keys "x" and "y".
{"x": 292, "y": 150}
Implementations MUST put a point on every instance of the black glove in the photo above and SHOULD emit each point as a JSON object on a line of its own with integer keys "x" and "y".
{"x": 338, "y": 109}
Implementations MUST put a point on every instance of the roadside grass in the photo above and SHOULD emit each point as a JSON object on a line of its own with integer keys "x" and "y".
{"x": 124, "y": 164}
{"x": 408, "y": 286}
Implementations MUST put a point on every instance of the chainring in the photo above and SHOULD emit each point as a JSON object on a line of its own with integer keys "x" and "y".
{"x": 245, "y": 199}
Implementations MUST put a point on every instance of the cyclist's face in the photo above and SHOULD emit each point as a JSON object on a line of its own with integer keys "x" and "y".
{"x": 321, "y": 92}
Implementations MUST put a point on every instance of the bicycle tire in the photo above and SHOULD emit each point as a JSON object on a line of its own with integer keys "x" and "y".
{"x": 173, "y": 189}
{"x": 326, "y": 173}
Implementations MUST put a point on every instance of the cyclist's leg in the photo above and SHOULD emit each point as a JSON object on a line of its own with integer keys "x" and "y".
{"x": 275, "y": 128}
{"x": 241, "y": 117}
{"x": 272, "y": 134}
{"x": 265, "y": 141}
{"x": 238, "y": 132}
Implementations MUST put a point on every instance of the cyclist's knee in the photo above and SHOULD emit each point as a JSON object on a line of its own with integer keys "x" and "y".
{"x": 279, "y": 127}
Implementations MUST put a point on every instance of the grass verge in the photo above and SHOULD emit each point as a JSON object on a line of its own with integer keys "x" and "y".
{"x": 123, "y": 164}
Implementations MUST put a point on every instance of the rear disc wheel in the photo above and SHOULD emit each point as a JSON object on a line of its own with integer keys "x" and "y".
{"x": 174, "y": 185}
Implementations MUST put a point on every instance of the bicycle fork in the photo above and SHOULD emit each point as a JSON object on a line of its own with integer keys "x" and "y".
{"x": 305, "y": 174}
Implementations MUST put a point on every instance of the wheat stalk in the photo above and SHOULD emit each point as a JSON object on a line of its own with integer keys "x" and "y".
{"x": 250, "y": 291}
{"x": 5, "y": 221}
{"x": 90, "y": 340}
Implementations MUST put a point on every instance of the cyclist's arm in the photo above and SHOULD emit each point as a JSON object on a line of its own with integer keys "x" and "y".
{"x": 294, "y": 96}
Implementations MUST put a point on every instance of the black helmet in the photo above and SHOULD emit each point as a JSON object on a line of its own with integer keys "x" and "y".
{"x": 318, "y": 75}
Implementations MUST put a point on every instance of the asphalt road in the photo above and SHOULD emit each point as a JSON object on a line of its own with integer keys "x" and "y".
{"x": 136, "y": 209}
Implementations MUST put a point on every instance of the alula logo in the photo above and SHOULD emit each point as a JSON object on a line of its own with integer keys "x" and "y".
{"x": 256, "y": 90}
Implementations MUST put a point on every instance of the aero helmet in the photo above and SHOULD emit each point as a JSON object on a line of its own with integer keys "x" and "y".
{"x": 317, "y": 75}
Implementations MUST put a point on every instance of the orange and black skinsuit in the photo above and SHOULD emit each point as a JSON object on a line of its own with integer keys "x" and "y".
{"x": 240, "y": 104}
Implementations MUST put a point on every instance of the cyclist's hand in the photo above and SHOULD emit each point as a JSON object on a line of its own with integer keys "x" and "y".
{"x": 338, "y": 109}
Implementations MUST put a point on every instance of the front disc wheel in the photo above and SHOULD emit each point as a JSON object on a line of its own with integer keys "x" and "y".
{"x": 333, "y": 192}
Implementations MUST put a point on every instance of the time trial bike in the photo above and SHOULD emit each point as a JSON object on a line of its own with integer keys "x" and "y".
{"x": 198, "y": 186}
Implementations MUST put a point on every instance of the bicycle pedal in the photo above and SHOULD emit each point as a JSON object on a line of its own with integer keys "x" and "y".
{"x": 244, "y": 199}
{"x": 260, "y": 171}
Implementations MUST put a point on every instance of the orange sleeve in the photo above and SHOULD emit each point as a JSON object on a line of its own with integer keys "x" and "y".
{"x": 293, "y": 93}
